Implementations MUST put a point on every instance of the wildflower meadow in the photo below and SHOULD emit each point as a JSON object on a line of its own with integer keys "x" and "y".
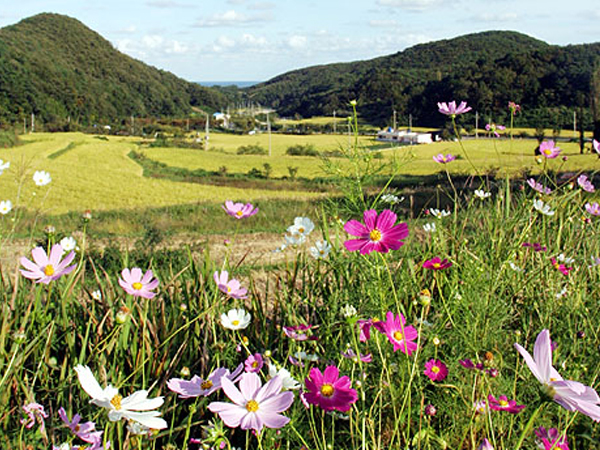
{"x": 472, "y": 324}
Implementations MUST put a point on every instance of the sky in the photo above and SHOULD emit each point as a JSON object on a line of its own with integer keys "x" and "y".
{"x": 255, "y": 40}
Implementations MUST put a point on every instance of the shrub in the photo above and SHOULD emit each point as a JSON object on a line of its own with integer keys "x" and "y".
{"x": 8, "y": 139}
{"x": 252, "y": 149}
{"x": 302, "y": 150}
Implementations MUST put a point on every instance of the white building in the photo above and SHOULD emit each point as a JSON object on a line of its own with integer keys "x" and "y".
{"x": 404, "y": 137}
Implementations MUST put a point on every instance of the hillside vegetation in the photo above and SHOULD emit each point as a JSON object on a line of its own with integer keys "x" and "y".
{"x": 54, "y": 66}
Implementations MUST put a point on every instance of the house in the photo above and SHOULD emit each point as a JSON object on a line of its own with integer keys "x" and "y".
{"x": 222, "y": 119}
{"x": 403, "y": 137}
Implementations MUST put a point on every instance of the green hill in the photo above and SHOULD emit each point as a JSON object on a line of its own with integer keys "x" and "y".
{"x": 486, "y": 69}
{"x": 56, "y": 67}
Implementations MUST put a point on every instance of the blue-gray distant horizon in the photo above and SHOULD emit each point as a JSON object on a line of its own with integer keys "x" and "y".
{"x": 242, "y": 40}
{"x": 240, "y": 84}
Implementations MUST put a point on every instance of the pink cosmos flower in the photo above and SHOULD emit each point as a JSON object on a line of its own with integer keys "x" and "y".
{"x": 35, "y": 413}
{"x": 137, "y": 285}
{"x": 377, "y": 234}
{"x": 254, "y": 406}
{"x": 444, "y": 159}
{"x": 197, "y": 387}
{"x": 585, "y": 184}
{"x": 539, "y": 187}
{"x": 536, "y": 246}
{"x": 47, "y": 268}
{"x": 239, "y": 210}
{"x": 596, "y": 146}
{"x": 254, "y": 363}
{"x": 571, "y": 395}
{"x": 297, "y": 333}
{"x": 469, "y": 364}
{"x": 493, "y": 128}
{"x": 548, "y": 150}
{"x": 401, "y": 336}
{"x": 351, "y": 354}
{"x": 504, "y": 404}
{"x": 593, "y": 208}
{"x": 551, "y": 439}
{"x": 328, "y": 391}
{"x": 485, "y": 445}
{"x": 561, "y": 267}
{"x": 365, "y": 329}
{"x": 232, "y": 287}
{"x": 84, "y": 431}
{"x": 514, "y": 108}
{"x": 436, "y": 370}
{"x": 450, "y": 109}
{"x": 437, "y": 264}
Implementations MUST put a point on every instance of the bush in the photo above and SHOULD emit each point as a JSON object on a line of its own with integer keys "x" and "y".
{"x": 252, "y": 149}
{"x": 8, "y": 139}
{"x": 302, "y": 150}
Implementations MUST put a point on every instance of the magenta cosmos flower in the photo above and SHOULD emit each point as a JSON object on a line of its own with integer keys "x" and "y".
{"x": 239, "y": 210}
{"x": 437, "y": 264}
{"x": 502, "y": 403}
{"x": 377, "y": 234}
{"x": 47, "y": 268}
{"x": 571, "y": 395}
{"x": 254, "y": 406}
{"x": 400, "y": 335}
{"x": 593, "y": 208}
{"x": 551, "y": 439}
{"x": 444, "y": 159}
{"x": 436, "y": 370}
{"x": 514, "y": 108}
{"x": 298, "y": 333}
{"x": 328, "y": 391}
{"x": 197, "y": 387}
{"x": 137, "y": 285}
{"x": 232, "y": 287}
{"x": 561, "y": 267}
{"x": 548, "y": 149}
{"x": 254, "y": 363}
{"x": 450, "y": 109}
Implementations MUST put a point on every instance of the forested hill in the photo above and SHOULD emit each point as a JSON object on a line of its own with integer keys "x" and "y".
{"x": 56, "y": 67}
{"x": 486, "y": 69}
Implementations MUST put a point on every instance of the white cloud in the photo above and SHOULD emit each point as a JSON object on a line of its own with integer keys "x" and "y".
{"x": 151, "y": 46}
{"x": 232, "y": 18}
{"x": 492, "y": 17}
{"x": 168, "y": 4}
{"x": 246, "y": 43}
{"x": 411, "y": 5}
{"x": 297, "y": 42}
{"x": 261, "y": 6}
{"x": 383, "y": 23}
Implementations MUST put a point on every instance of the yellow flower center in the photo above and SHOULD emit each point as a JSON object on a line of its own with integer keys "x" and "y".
{"x": 255, "y": 364}
{"x": 503, "y": 403}
{"x": 252, "y": 406}
{"x": 301, "y": 230}
{"x": 436, "y": 265}
{"x": 49, "y": 270}
{"x": 547, "y": 151}
{"x": 116, "y": 402}
{"x": 137, "y": 286}
{"x": 435, "y": 369}
{"x": 228, "y": 289}
{"x": 239, "y": 213}
{"x": 235, "y": 323}
{"x": 327, "y": 390}
{"x": 207, "y": 384}
{"x": 375, "y": 235}
{"x": 398, "y": 335}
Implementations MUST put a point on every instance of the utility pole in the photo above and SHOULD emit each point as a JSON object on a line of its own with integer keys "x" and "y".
{"x": 394, "y": 120}
{"x": 574, "y": 124}
{"x": 334, "y": 123}
{"x": 206, "y": 135}
{"x": 269, "y": 131}
{"x": 476, "y": 125}
{"x": 410, "y": 122}
{"x": 132, "y": 125}
{"x": 24, "y": 125}
{"x": 32, "y": 122}
{"x": 187, "y": 125}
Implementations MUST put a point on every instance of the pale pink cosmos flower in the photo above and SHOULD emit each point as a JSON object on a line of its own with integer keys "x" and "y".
{"x": 450, "y": 109}
{"x": 298, "y": 333}
{"x": 197, "y": 387}
{"x": 444, "y": 159}
{"x": 232, "y": 287}
{"x": 539, "y": 187}
{"x": 593, "y": 208}
{"x": 47, "y": 268}
{"x": 379, "y": 233}
{"x": 84, "y": 431}
{"x": 254, "y": 363}
{"x": 239, "y": 210}
{"x": 485, "y": 445}
{"x": 137, "y": 285}
{"x": 254, "y": 406}
{"x": 548, "y": 150}
{"x": 493, "y": 128}
{"x": 596, "y": 146}
{"x": 35, "y": 413}
{"x": 585, "y": 184}
{"x": 571, "y": 395}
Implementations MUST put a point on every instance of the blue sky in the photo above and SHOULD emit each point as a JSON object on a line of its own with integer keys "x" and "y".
{"x": 256, "y": 40}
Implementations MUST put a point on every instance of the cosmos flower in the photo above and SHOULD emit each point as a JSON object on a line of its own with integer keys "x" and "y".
{"x": 551, "y": 439}
{"x": 137, "y": 406}
{"x": 297, "y": 332}
{"x": 437, "y": 264}
{"x": 493, "y": 128}
{"x": 41, "y": 178}
{"x": 481, "y": 194}
{"x": 538, "y": 187}
{"x": 502, "y": 403}
{"x": 320, "y": 250}
{"x": 543, "y": 208}
{"x": 35, "y": 413}
{"x": 391, "y": 199}
{"x": 450, "y": 109}
{"x": 254, "y": 406}
{"x": 379, "y": 233}
{"x": 585, "y": 184}
{"x": 514, "y": 108}
{"x": 561, "y": 267}
{"x": 254, "y": 363}
{"x": 548, "y": 150}
{"x": 231, "y": 287}
{"x": 303, "y": 226}
{"x": 429, "y": 227}
{"x": 365, "y": 329}
{"x": 5, "y": 207}
{"x": 137, "y": 285}
{"x": 236, "y": 319}
{"x": 485, "y": 445}
{"x": 4, "y": 166}
{"x": 328, "y": 391}
{"x": 571, "y": 395}
{"x": 593, "y": 208}
{"x": 440, "y": 214}
{"x": 239, "y": 210}
{"x": 68, "y": 244}
{"x": 197, "y": 387}
{"x": 596, "y": 146}
{"x": 288, "y": 382}
{"x": 401, "y": 336}
{"x": 84, "y": 431}
{"x": 47, "y": 268}
{"x": 436, "y": 370}
{"x": 536, "y": 246}
{"x": 351, "y": 354}
{"x": 444, "y": 159}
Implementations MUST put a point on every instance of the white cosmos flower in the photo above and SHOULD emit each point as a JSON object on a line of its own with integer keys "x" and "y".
{"x": 97, "y": 295}
{"x": 348, "y": 311}
{"x": 429, "y": 227}
{"x": 562, "y": 293}
{"x": 4, "y": 166}
{"x": 541, "y": 207}
{"x": 236, "y": 319}
{"x": 137, "y": 406}
{"x": 5, "y": 207}
{"x": 41, "y": 178}
{"x": 516, "y": 268}
{"x": 481, "y": 194}
{"x": 565, "y": 259}
{"x": 303, "y": 356}
{"x": 439, "y": 214}
{"x": 294, "y": 239}
{"x": 302, "y": 226}
{"x": 320, "y": 250}
{"x": 285, "y": 376}
{"x": 391, "y": 199}
{"x": 68, "y": 244}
